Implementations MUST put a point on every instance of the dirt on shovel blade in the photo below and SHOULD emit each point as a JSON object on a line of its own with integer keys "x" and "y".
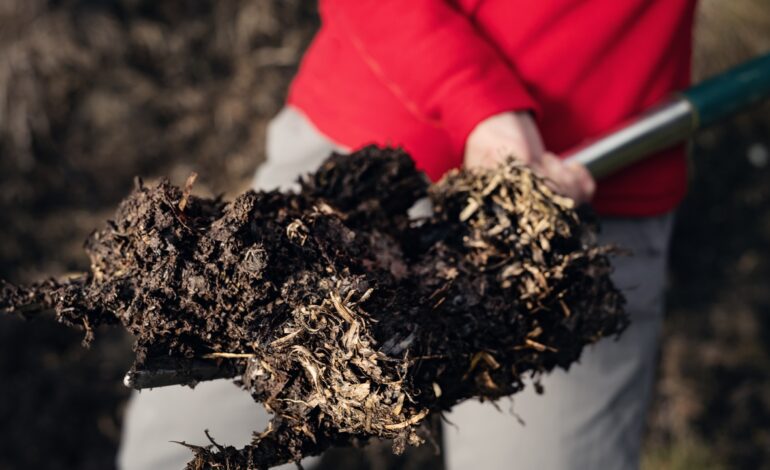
{"x": 348, "y": 320}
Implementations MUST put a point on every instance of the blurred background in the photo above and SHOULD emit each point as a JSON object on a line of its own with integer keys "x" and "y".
{"x": 94, "y": 92}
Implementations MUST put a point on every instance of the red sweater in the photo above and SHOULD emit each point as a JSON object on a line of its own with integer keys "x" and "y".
{"x": 422, "y": 73}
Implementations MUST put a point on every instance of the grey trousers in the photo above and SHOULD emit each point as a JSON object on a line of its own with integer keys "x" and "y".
{"x": 589, "y": 418}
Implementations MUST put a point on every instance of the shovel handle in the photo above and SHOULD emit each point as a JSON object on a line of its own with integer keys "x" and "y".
{"x": 673, "y": 121}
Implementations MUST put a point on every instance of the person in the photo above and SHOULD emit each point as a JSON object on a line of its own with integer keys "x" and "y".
{"x": 470, "y": 82}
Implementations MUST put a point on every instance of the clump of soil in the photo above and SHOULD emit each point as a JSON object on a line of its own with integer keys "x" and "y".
{"x": 348, "y": 320}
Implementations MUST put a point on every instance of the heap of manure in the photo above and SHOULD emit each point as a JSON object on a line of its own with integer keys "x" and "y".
{"x": 347, "y": 319}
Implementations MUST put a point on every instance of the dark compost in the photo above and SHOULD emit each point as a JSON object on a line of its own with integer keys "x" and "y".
{"x": 348, "y": 319}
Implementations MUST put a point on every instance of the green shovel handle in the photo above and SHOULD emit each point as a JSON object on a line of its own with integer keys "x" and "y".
{"x": 674, "y": 120}
{"x": 730, "y": 92}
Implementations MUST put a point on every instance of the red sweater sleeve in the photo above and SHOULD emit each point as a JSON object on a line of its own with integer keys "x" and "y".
{"x": 432, "y": 58}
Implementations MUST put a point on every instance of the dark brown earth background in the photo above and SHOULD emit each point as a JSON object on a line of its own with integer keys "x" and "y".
{"x": 94, "y": 92}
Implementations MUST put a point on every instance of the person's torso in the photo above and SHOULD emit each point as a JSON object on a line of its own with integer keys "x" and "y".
{"x": 590, "y": 64}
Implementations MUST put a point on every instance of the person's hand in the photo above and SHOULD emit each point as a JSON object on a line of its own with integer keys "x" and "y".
{"x": 515, "y": 134}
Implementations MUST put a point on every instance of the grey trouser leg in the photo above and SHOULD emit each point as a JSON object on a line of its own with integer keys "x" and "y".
{"x": 294, "y": 148}
{"x": 156, "y": 417}
{"x": 591, "y": 417}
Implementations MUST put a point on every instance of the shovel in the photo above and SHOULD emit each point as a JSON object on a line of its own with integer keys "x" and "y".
{"x": 674, "y": 120}
{"x": 667, "y": 124}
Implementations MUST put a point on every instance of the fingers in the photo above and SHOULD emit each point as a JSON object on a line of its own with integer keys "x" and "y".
{"x": 510, "y": 134}
{"x": 570, "y": 179}
{"x": 496, "y": 153}
{"x": 583, "y": 180}
{"x": 515, "y": 134}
